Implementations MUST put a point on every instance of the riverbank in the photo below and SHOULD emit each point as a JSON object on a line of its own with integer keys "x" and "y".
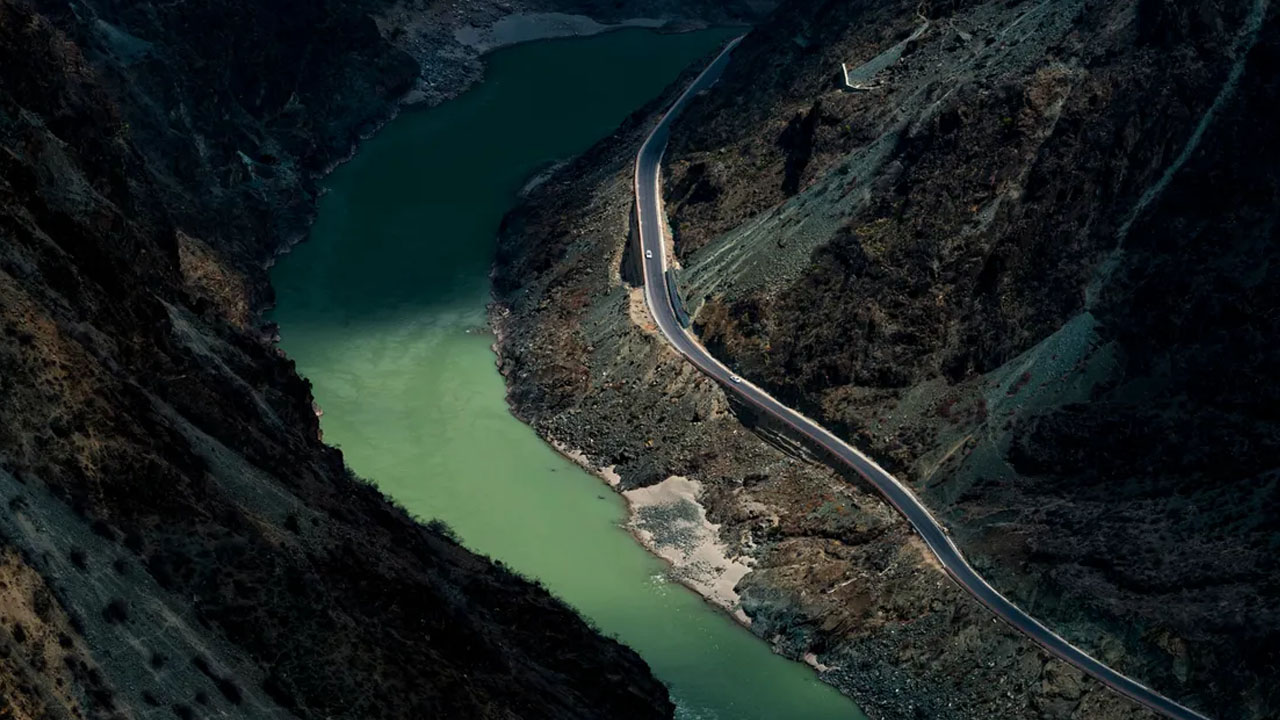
{"x": 667, "y": 519}
{"x": 452, "y": 40}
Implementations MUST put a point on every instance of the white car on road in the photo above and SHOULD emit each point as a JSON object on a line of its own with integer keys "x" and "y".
{"x": 648, "y": 254}
{"x": 735, "y": 378}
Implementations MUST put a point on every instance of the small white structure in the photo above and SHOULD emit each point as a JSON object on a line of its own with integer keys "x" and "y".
{"x": 857, "y": 87}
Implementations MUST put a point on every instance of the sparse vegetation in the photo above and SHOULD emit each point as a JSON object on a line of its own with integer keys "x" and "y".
{"x": 116, "y": 612}
{"x": 441, "y": 528}
{"x": 79, "y": 558}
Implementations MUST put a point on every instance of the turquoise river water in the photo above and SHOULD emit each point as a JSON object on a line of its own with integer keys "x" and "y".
{"x": 384, "y": 310}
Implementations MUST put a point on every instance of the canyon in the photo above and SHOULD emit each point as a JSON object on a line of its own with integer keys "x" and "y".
{"x": 1022, "y": 253}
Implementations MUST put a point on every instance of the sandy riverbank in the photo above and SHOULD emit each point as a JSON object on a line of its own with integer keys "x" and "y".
{"x": 670, "y": 522}
{"x": 526, "y": 27}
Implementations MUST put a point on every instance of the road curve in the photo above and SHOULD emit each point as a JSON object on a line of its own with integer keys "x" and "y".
{"x": 650, "y": 218}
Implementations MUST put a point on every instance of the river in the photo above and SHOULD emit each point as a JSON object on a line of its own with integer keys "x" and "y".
{"x": 384, "y": 311}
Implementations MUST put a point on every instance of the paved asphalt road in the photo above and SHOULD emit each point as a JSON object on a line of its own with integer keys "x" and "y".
{"x": 648, "y": 200}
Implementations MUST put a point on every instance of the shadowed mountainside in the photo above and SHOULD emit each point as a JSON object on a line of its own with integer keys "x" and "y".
{"x": 176, "y": 538}
{"x": 1027, "y": 265}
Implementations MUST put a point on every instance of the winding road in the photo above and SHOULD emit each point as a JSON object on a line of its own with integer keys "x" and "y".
{"x": 651, "y": 222}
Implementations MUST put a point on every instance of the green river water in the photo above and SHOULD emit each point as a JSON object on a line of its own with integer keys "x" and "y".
{"x": 384, "y": 310}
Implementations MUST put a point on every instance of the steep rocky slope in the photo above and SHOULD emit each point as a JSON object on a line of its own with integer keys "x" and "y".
{"x": 176, "y": 540}
{"x": 1026, "y": 261}
{"x": 836, "y": 577}
{"x": 1043, "y": 295}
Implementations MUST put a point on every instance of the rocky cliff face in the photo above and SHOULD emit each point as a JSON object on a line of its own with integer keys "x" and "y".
{"x": 176, "y": 539}
{"x": 1025, "y": 261}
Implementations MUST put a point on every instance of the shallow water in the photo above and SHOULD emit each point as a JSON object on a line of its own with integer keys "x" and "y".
{"x": 384, "y": 310}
